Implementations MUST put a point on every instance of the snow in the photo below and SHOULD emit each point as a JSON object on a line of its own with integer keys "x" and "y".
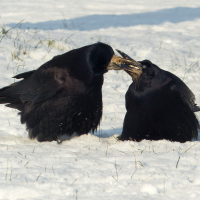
{"x": 98, "y": 166}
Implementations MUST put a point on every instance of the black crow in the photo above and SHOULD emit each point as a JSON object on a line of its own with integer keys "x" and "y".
{"x": 63, "y": 96}
{"x": 159, "y": 106}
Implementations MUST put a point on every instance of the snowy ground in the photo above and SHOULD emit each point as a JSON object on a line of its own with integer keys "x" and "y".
{"x": 97, "y": 166}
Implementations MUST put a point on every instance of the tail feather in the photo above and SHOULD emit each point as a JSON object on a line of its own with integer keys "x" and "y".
{"x": 4, "y": 100}
{"x": 18, "y": 106}
{"x": 2, "y": 90}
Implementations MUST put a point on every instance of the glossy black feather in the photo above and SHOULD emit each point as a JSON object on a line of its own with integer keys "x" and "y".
{"x": 63, "y": 96}
{"x": 159, "y": 106}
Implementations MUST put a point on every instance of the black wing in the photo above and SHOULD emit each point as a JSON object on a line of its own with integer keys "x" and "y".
{"x": 186, "y": 94}
{"x": 36, "y": 87}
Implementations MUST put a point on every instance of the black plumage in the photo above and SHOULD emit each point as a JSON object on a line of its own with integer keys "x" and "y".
{"x": 159, "y": 106}
{"x": 64, "y": 95}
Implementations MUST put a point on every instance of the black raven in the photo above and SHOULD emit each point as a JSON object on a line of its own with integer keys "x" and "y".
{"x": 63, "y": 96}
{"x": 159, "y": 106}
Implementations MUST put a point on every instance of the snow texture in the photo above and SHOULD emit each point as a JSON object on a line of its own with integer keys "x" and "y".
{"x": 98, "y": 166}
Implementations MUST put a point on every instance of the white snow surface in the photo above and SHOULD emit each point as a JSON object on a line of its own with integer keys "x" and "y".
{"x": 98, "y": 166}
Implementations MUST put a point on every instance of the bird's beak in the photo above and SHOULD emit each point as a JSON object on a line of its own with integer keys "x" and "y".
{"x": 126, "y": 63}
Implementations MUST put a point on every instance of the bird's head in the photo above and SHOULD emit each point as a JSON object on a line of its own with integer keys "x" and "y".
{"x": 149, "y": 69}
{"x": 103, "y": 59}
{"x": 142, "y": 70}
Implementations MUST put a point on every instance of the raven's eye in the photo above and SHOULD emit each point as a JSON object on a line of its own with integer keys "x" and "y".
{"x": 144, "y": 66}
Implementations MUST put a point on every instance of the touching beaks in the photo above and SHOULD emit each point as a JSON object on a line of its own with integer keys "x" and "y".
{"x": 126, "y": 63}
{"x": 125, "y": 56}
{"x": 134, "y": 63}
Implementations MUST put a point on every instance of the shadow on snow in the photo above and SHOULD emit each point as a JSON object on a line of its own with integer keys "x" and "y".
{"x": 95, "y": 22}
